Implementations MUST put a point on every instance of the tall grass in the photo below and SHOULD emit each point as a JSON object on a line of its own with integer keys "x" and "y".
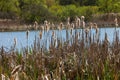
{"x": 83, "y": 57}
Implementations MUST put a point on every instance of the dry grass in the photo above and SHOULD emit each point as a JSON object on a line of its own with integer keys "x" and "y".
{"x": 77, "y": 59}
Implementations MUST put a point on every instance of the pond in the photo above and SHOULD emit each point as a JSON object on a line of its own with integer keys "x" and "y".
{"x": 7, "y": 38}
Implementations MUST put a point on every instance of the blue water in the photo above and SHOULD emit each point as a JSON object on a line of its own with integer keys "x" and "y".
{"x": 7, "y": 38}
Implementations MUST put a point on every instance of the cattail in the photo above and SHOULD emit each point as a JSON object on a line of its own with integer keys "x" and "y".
{"x": 71, "y": 30}
{"x": 116, "y": 22}
{"x": 68, "y": 19}
{"x": 78, "y": 35}
{"x": 86, "y": 30}
{"x": 46, "y": 77}
{"x": 68, "y": 25}
{"x": 86, "y": 62}
{"x": 16, "y": 69}
{"x": 15, "y": 41}
{"x": 15, "y": 76}
{"x": 53, "y": 25}
{"x": 27, "y": 33}
{"x": 74, "y": 55}
{"x": 53, "y": 33}
{"x": 83, "y": 70}
{"x": 77, "y": 21}
{"x": 42, "y": 27}
{"x": 40, "y": 34}
{"x": 82, "y": 18}
{"x": 45, "y": 22}
{"x": 96, "y": 28}
{"x": 60, "y": 26}
{"x": 14, "y": 73}
{"x": 35, "y": 25}
{"x": 3, "y": 77}
{"x": 90, "y": 25}
{"x": 48, "y": 27}
{"x": 116, "y": 25}
{"x": 82, "y": 21}
{"x": 72, "y": 25}
{"x": 30, "y": 26}
{"x": 98, "y": 78}
{"x": 106, "y": 39}
{"x": 83, "y": 24}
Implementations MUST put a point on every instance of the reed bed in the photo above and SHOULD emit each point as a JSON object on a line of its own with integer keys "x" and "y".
{"x": 81, "y": 56}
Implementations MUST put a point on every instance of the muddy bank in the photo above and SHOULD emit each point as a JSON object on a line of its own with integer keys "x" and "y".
{"x": 13, "y": 25}
{"x": 106, "y": 20}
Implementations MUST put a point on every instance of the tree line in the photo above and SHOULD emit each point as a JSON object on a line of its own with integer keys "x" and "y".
{"x": 55, "y": 10}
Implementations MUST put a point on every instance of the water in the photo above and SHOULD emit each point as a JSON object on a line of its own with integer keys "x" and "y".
{"x": 7, "y": 38}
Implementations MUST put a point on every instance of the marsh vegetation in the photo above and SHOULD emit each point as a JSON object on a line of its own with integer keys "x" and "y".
{"x": 81, "y": 56}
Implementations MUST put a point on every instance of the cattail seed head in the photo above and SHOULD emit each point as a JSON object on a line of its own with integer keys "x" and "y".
{"x": 72, "y": 25}
{"x": 82, "y": 18}
{"x": 90, "y": 25}
{"x": 53, "y": 25}
{"x": 116, "y": 22}
{"x": 45, "y": 22}
{"x": 35, "y": 25}
{"x": 60, "y": 26}
{"x": 87, "y": 30}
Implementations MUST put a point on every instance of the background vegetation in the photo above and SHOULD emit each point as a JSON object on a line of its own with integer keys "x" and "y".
{"x": 39, "y": 10}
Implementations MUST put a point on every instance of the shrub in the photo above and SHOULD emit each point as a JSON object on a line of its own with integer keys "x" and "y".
{"x": 87, "y": 11}
{"x": 35, "y": 13}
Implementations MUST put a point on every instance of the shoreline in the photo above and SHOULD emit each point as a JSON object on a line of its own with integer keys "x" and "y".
{"x": 102, "y": 21}
{"x": 24, "y": 27}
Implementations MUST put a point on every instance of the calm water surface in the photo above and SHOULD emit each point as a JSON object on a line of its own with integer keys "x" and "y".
{"x": 7, "y": 38}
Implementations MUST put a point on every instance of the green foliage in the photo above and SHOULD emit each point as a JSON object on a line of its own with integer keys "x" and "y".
{"x": 116, "y": 7}
{"x": 63, "y": 12}
{"x": 39, "y": 10}
{"x": 66, "y": 2}
{"x": 87, "y": 2}
{"x": 78, "y": 2}
{"x": 88, "y": 11}
{"x": 49, "y": 3}
{"x": 108, "y": 6}
{"x": 34, "y": 11}
{"x": 9, "y": 8}
{"x": 68, "y": 11}
{"x": 90, "y": 2}
{"x": 57, "y": 10}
